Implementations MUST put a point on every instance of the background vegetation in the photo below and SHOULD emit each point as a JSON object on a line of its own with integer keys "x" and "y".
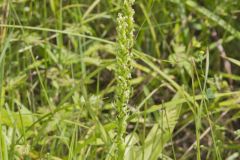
{"x": 57, "y": 80}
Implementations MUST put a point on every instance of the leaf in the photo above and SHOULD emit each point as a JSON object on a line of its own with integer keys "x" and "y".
{"x": 161, "y": 133}
{"x": 210, "y": 94}
{"x": 3, "y": 145}
{"x": 131, "y": 140}
{"x": 234, "y": 61}
{"x": 234, "y": 156}
{"x": 23, "y": 118}
{"x": 53, "y": 5}
{"x": 181, "y": 59}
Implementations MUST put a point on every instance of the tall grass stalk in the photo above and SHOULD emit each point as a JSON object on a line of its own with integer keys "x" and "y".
{"x": 3, "y": 48}
{"x": 125, "y": 41}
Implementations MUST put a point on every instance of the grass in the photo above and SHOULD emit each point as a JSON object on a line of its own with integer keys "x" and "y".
{"x": 66, "y": 90}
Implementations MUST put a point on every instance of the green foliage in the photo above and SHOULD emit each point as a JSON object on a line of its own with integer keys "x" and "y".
{"x": 119, "y": 79}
